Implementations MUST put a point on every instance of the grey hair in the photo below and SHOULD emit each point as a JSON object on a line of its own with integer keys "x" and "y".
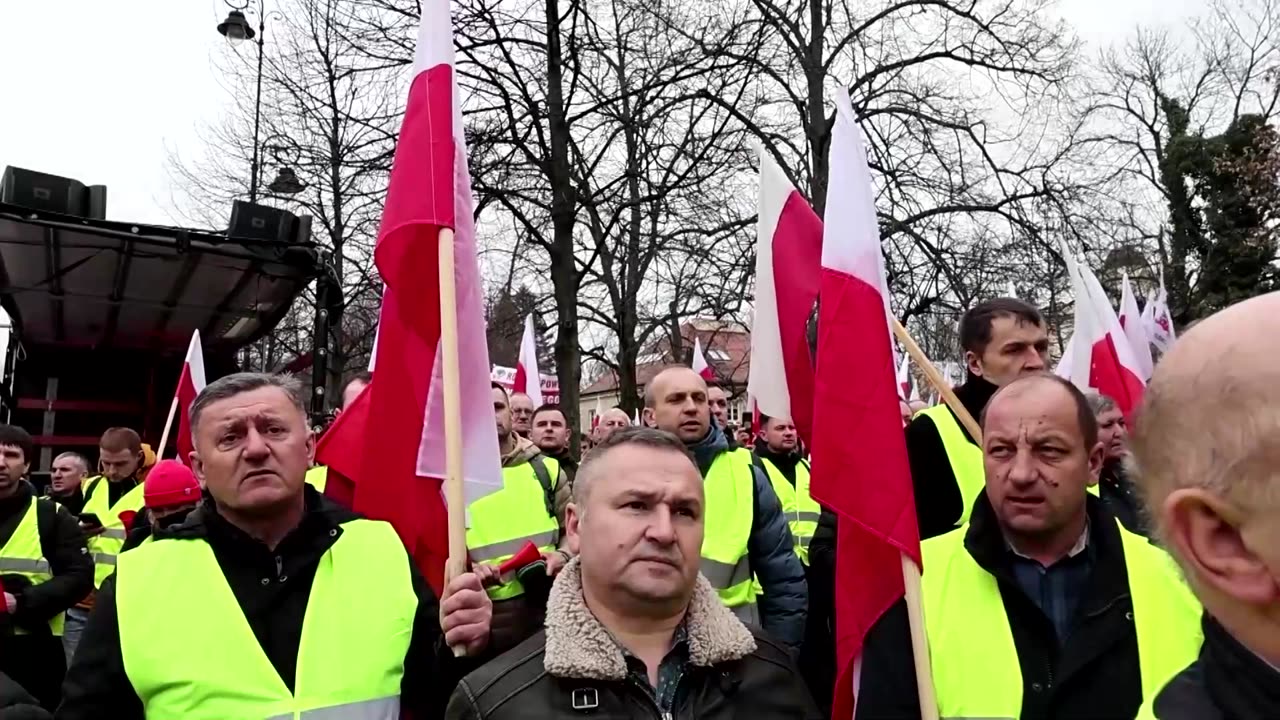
{"x": 238, "y": 383}
{"x": 638, "y": 436}
{"x": 1099, "y": 403}
{"x": 75, "y": 457}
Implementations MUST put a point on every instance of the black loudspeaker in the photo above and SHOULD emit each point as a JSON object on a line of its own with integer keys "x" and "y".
{"x": 50, "y": 193}
{"x": 259, "y": 222}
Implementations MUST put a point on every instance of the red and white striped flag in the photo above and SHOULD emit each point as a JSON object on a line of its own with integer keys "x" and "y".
{"x": 1160, "y": 322}
{"x": 700, "y": 365}
{"x": 788, "y": 257}
{"x": 190, "y": 383}
{"x": 1131, "y": 323}
{"x": 1100, "y": 357}
{"x": 866, "y": 481}
{"x": 399, "y": 436}
{"x": 527, "y": 365}
{"x": 904, "y": 377}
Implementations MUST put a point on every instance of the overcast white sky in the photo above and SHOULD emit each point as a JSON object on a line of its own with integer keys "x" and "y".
{"x": 102, "y": 90}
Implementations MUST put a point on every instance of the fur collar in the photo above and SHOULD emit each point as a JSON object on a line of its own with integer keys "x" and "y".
{"x": 578, "y": 646}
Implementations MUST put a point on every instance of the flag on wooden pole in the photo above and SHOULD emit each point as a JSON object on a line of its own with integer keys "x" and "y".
{"x": 527, "y": 365}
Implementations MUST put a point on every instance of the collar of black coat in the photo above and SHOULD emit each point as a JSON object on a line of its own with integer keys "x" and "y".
{"x": 18, "y": 501}
{"x": 578, "y": 646}
{"x": 320, "y": 516}
{"x": 1228, "y": 680}
{"x": 784, "y": 461}
{"x": 974, "y": 395}
{"x": 986, "y": 545}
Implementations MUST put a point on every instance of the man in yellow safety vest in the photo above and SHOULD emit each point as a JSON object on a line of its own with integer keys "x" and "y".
{"x": 1043, "y": 605}
{"x": 285, "y": 604}
{"x": 528, "y": 509}
{"x": 1002, "y": 339}
{"x": 44, "y": 569}
{"x": 748, "y": 554}
{"x": 1205, "y": 450}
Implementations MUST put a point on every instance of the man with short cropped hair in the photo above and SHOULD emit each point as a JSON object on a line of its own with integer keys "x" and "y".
{"x": 748, "y": 554}
{"x": 1003, "y": 339}
{"x": 614, "y": 419}
{"x": 633, "y": 629}
{"x": 268, "y": 600}
{"x": 549, "y": 430}
{"x": 1043, "y": 605}
{"x": 718, "y": 400}
{"x": 44, "y": 570}
{"x": 354, "y": 386}
{"x": 66, "y": 481}
{"x": 1206, "y": 454}
{"x": 109, "y": 498}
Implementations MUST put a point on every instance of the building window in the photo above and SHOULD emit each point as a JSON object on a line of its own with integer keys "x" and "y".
{"x": 735, "y": 411}
{"x": 717, "y": 355}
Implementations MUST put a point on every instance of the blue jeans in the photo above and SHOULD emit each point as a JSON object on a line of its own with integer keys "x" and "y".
{"x": 72, "y": 630}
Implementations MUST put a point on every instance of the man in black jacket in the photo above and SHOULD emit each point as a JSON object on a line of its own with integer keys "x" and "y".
{"x": 66, "y": 481}
{"x": 633, "y": 629}
{"x": 262, "y": 546}
{"x": 1206, "y": 454}
{"x": 676, "y": 401}
{"x": 1002, "y": 339}
{"x": 1043, "y": 607}
{"x": 549, "y": 430}
{"x": 44, "y": 569}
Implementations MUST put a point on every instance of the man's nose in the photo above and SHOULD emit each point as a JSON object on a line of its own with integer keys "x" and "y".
{"x": 1022, "y": 468}
{"x": 1034, "y": 361}
{"x": 255, "y": 445}
{"x": 660, "y": 529}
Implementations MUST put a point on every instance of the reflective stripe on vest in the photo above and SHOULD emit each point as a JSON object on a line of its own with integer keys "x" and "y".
{"x": 730, "y": 499}
{"x": 964, "y": 456}
{"x": 318, "y": 477}
{"x": 974, "y": 659}
{"x": 351, "y": 654}
{"x": 504, "y": 521}
{"x": 106, "y": 546}
{"x": 801, "y": 510}
{"x": 22, "y": 555}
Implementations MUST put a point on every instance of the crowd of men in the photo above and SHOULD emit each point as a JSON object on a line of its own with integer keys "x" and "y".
{"x": 673, "y": 571}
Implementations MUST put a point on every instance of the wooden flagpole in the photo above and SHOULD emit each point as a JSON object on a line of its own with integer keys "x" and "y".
{"x": 454, "y": 497}
{"x": 910, "y": 571}
{"x": 168, "y": 425}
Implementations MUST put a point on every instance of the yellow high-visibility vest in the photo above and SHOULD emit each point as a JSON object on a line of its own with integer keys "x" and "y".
{"x": 730, "y": 506}
{"x": 318, "y": 476}
{"x": 802, "y": 511}
{"x": 502, "y": 522}
{"x": 350, "y": 657}
{"x": 964, "y": 456}
{"x": 106, "y": 547}
{"x": 971, "y": 650}
{"x": 22, "y": 555}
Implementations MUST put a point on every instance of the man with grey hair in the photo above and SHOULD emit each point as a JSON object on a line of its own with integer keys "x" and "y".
{"x": 633, "y": 630}
{"x": 1114, "y": 488}
{"x": 296, "y": 605}
{"x": 66, "y": 480}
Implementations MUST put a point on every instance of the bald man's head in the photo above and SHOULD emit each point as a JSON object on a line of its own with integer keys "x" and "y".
{"x": 1206, "y": 455}
{"x": 676, "y": 401}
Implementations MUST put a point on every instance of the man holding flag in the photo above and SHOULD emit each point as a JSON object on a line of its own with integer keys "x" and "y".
{"x": 295, "y": 605}
{"x": 1042, "y": 606}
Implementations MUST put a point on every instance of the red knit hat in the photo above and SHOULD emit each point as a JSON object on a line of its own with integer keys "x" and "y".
{"x": 170, "y": 483}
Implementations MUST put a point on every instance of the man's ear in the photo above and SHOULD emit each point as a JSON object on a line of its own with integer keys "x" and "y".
{"x": 973, "y": 361}
{"x": 1205, "y": 531}
{"x": 572, "y": 523}
{"x": 197, "y": 466}
{"x": 1097, "y": 456}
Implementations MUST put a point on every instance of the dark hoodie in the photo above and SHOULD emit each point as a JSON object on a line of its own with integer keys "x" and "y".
{"x": 770, "y": 548}
{"x": 938, "y": 501}
{"x": 98, "y": 687}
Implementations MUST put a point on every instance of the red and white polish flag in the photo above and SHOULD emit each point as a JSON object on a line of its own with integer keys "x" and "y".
{"x": 190, "y": 383}
{"x": 392, "y": 448}
{"x": 1131, "y": 322}
{"x": 867, "y": 482}
{"x": 1100, "y": 357}
{"x": 527, "y": 365}
{"x": 1160, "y": 320}
{"x": 788, "y": 258}
{"x": 700, "y": 365}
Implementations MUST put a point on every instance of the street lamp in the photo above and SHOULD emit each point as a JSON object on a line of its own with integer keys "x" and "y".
{"x": 236, "y": 28}
{"x": 285, "y": 153}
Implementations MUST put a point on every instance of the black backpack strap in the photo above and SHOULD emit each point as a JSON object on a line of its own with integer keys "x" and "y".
{"x": 46, "y": 513}
{"x": 93, "y": 485}
{"x": 544, "y": 479}
{"x": 759, "y": 462}
{"x": 805, "y": 463}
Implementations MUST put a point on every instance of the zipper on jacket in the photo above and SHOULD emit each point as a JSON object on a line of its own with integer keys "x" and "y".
{"x": 648, "y": 697}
